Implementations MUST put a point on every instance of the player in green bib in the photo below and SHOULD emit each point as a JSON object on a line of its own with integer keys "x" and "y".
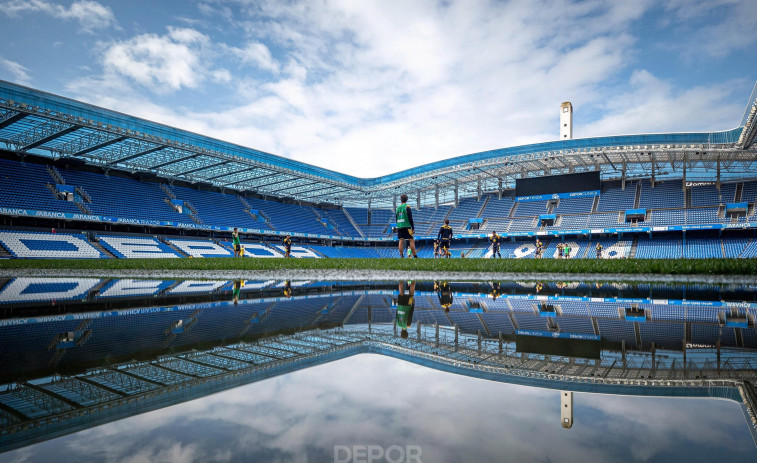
{"x": 405, "y": 307}
{"x": 405, "y": 226}
{"x": 236, "y": 242}
{"x": 236, "y": 289}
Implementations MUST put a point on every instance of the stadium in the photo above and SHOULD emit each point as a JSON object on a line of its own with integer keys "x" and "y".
{"x": 80, "y": 181}
{"x": 203, "y": 229}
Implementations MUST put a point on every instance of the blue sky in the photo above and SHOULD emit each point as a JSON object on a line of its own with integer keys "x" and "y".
{"x": 372, "y": 87}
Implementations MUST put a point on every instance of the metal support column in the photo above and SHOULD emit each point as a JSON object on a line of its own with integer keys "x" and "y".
{"x": 623, "y": 177}
{"x": 623, "y": 352}
{"x": 654, "y": 359}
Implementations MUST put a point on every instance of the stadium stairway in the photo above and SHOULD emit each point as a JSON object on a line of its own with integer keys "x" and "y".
{"x": 352, "y": 221}
{"x": 4, "y": 253}
{"x": 168, "y": 191}
{"x": 483, "y": 206}
{"x": 55, "y": 175}
{"x": 634, "y": 246}
{"x": 94, "y": 241}
{"x": 178, "y": 251}
{"x": 317, "y": 252}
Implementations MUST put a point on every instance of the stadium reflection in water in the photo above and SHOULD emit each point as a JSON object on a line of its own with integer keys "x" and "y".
{"x": 105, "y": 369}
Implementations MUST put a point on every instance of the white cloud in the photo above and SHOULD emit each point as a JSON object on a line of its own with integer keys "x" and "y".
{"x": 651, "y": 105}
{"x": 257, "y": 54}
{"x": 18, "y": 73}
{"x": 162, "y": 62}
{"x": 89, "y": 14}
{"x": 370, "y": 88}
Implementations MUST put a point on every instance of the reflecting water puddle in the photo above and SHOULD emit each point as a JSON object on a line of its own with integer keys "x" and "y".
{"x": 465, "y": 371}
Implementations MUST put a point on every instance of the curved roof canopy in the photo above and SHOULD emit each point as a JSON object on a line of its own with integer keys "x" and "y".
{"x": 35, "y": 122}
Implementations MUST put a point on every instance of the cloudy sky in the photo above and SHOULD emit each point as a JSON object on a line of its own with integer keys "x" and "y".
{"x": 372, "y": 87}
{"x": 373, "y": 400}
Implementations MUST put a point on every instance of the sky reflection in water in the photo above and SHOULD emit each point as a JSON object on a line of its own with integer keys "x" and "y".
{"x": 373, "y": 400}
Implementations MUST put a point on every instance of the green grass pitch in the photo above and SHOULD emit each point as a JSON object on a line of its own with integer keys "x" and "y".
{"x": 576, "y": 266}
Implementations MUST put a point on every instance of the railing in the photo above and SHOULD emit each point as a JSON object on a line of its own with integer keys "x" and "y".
{"x": 52, "y": 190}
{"x": 83, "y": 194}
{"x": 189, "y": 206}
{"x": 167, "y": 191}
{"x": 55, "y": 175}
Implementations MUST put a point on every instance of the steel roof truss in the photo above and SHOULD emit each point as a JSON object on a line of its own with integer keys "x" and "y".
{"x": 250, "y": 179}
{"x": 283, "y": 184}
{"x": 91, "y": 142}
{"x": 285, "y": 180}
{"x": 203, "y": 168}
{"x": 307, "y": 192}
{"x": 132, "y": 150}
{"x": 41, "y": 134}
{"x": 232, "y": 172}
{"x": 174, "y": 161}
{"x": 332, "y": 193}
{"x": 300, "y": 186}
{"x": 8, "y": 117}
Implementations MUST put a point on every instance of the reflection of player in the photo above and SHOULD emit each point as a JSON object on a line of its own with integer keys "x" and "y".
{"x": 405, "y": 307}
{"x": 235, "y": 241}
{"x": 287, "y": 245}
{"x": 436, "y": 249}
{"x": 599, "y": 251}
{"x": 405, "y": 226}
{"x": 287, "y": 288}
{"x": 495, "y": 239}
{"x": 445, "y": 238}
{"x": 236, "y": 290}
{"x": 444, "y": 292}
{"x": 495, "y": 290}
{"x": 539, "y": 248}
{"x": 539, "y": 287}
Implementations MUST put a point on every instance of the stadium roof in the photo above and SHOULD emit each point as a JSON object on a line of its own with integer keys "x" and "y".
{"x": 36, "y": 122}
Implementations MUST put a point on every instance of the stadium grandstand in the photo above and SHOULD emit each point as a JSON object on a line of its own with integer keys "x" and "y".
{"x": 79, "y": 181}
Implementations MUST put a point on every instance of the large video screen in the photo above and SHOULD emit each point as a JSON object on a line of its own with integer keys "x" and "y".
{"x": 564, "y": 347}
{"x": 568, "y": 183}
